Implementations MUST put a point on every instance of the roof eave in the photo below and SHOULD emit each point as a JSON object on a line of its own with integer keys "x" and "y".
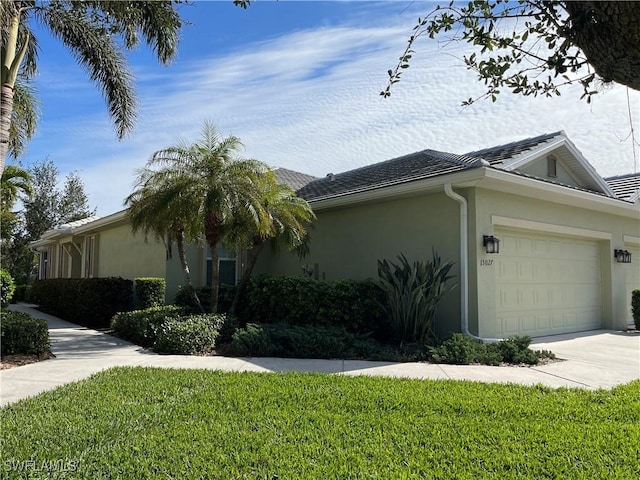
{"x": 493, "y": 179}
{"x": 463, "y": 178}
{"x": 508, "y": 182}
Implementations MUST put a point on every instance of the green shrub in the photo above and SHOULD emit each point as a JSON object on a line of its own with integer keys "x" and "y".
{"x": 90, "y": 302}
{"x": 186, "y": 336}
{"x": 353, "y": 305}
{"x": 22, "y": 293}
{"x": 21, "y": 333}
{"x": 413, "y": 292}
{"x": 140, "y": 326}
{"x": 463, "y": 350}
{"x": 225, "y": 297}
{"x": 299, "y": 341}
{"x": 7, "y": 287}
{"x": 635, "y": 307}
{"x": 150, "y": 292}
{"x": 516, "y": 350}
{"x": 458, "y": 350}
{"x": 226, "y": 325}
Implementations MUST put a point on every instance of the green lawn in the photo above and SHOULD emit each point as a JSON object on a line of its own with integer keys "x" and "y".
{"x": 129, "y": 423}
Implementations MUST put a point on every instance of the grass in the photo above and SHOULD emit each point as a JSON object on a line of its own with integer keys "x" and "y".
{"x": 191, "y": 424}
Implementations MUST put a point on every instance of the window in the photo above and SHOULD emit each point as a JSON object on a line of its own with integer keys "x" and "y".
{"x": 89, "y": 254}
{"x": 61, "y": 262}
{"x": 552, "y": 167}
{"x": 226, "y": 267}
{"x": 43, "y": 264}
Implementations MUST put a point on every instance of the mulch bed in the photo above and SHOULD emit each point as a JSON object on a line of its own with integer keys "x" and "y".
{"x": 11, "y": 361}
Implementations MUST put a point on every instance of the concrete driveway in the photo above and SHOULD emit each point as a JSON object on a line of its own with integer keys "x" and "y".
{"x": 599, "y": 359}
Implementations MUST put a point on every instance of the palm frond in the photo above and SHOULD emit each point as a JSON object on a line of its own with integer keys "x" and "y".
{"x": 97, "y": 52}
{"x": 24, "y": 117}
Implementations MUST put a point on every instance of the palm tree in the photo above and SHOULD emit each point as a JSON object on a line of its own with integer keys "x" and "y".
{"x": 155, "y": 207}
{"x": 285, "y": 225}
{"x": 13, "y": 181}
{"x": 211, "y": 183}
{"x": 96, "y": 32}
{"x": 24, "y": 117}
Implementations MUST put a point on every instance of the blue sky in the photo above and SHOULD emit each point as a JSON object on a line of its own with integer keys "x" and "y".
{"x": 299, "y": 83}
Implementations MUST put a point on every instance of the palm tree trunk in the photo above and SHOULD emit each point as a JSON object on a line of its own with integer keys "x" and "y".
{"x": 246, "y": 275}
{"x": 11, "y": 59}
{"x": 6, "y": 108}
{"x": 212, "y": 235}
{"x": 185, "y": 270}
{"x": 215, "y": 276}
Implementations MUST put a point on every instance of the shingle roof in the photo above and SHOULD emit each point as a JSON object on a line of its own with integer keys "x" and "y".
{"x": 499, "y": 154}
{"x": 408, "y": 168}
{"x": 625, "y": 187}
{"x": 292, "y": 179}
{"x": 431, "y": 163}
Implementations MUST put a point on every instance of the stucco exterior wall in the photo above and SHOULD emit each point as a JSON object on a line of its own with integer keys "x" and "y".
{"x": 539, "y": 169}
{"x": 347, "y": 242}
{"x": 175, "y": 276}
{"x": 490, "y": 203}
{"x": 123, "y": 254}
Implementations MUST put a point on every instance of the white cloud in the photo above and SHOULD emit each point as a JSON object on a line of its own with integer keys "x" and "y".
{"x": 310, "y": 101}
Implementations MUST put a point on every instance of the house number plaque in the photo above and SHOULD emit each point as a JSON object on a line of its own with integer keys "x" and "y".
{"x": 485, "y": 262}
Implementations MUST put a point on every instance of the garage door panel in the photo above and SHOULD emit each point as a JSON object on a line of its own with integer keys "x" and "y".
{"x": 547, "y": 284}
{"x": 632, "y": 277}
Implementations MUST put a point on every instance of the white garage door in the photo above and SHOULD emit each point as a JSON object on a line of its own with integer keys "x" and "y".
{"x": 547, "y": 284}
{"x": 633, "y": 278}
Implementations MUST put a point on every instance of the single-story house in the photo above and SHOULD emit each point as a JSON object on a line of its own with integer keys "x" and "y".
{"x": 556, "y": 269}
{"x": 542, "y": 244}
{"x": 107, "y": 247}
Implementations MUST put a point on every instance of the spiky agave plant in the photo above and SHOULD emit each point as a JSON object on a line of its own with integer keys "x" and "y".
{"x": 413, "y": 292}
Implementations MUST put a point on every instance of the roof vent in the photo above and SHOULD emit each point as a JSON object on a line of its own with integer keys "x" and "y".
{"x": 331, "y": 176}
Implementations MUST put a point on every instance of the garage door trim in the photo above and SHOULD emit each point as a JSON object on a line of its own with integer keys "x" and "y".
{"x": 549, "y": 228}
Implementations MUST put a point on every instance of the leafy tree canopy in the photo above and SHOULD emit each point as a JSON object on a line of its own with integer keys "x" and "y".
{"x": 49, "y": 206}
{"x": 536, "y": 47}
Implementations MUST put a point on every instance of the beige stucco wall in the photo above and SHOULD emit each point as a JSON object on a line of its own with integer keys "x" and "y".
{"x": 347, "y": 242}
{"x": 175, "y": 277}
{"x": 490, "y": 203}
{"x": 538, "y": 169}
{"x": 123, "y": 254}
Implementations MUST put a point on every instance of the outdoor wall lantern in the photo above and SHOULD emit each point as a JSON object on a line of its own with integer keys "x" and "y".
{"x": 491, "y": 244}
{"x": 622, "y": 256}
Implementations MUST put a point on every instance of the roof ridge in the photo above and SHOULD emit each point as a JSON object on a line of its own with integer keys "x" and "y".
{"x": 624, "y": 175}
{"x": 456, "y": 158}
{"x": 537, "y": 138}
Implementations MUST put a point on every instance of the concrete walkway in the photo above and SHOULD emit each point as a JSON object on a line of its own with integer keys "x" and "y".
{"x": 598, "y": 359}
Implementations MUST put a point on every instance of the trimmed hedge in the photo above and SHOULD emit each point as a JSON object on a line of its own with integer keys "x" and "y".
{"x": 299, "y": 341}
{"x": 463, "y": 350}
{"x": 21, "y": 294}
{"x": 150, "y": 292}
{"x": 140, "y": 326}
{"x": 90, "y": 302}
{"x": 170, "y": 329}
{"x": 191, "y": 335}
{"x": 20, "y": 333}
{"x": 353, "y": 305}
{"x": 635, "y": 307}
{"x": 225, "y": 298}
{"x": 7, "y": 287}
